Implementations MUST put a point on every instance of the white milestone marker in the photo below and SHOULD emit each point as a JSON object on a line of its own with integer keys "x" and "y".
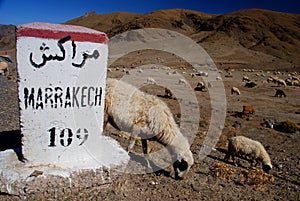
{"x": 62, "y": 77}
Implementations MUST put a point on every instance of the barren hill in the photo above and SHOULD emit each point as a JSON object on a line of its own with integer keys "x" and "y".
{"x": 7, "y": 37}
{"x": 254, "y": 37}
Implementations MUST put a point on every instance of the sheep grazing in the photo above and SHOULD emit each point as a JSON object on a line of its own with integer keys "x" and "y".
{"x": 146, "y": 116}
{"x": 248, "y": 109}
{"x": 200, "y": 86}
{"x": 280, "y": 93}
{"x": 182, "y": 81}
{"x": 151, "y": 80}
{"x": 245, "y": 79}
{"x": 250, "y": 84}
{"x": 203, "y": 74}
{"x": 168, "y": 92}
{"x": 253, "y": 150}
{"x": 235, "y": 90}
{"x": 4, "y": 63}
{"x": 3, "y": 68}
{"x": 281, "y": 82}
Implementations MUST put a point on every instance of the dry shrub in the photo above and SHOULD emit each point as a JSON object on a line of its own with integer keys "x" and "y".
{"x": 287, "y": 126}
{"x": 223, "y": 170}
{"x": 256, "y": 177}
{"x": 252, "y": 176}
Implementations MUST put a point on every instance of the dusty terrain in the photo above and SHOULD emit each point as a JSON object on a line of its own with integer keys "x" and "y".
{"x": 202, "y": 183}
{"x": 205, "y": 181}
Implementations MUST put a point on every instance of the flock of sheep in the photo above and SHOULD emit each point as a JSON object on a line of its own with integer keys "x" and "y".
{"x": 146, "y": 116}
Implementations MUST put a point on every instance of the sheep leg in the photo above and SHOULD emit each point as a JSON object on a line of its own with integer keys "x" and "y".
{"x": 133, "y": 137}
{"x": 229, "y": 153}
{"x": 233, "y": 160}
{"x": 253, "y": 163}
{"x": 131, "y": 143}
{"x": 145, "y": 146}
{"x": 145, "y": 151}
{"x": 105, "y": 120}
{"x": 227, "y": 156}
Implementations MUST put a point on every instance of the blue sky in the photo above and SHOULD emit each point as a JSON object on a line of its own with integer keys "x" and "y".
{"x": 53, "y": 11}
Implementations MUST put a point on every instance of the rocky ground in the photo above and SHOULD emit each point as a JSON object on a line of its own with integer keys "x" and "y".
{"x": 209, "y": 178}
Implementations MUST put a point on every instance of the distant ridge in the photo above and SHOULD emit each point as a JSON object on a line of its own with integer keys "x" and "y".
{"x": 252, "y": 33}
{"x": 253, "y": 37}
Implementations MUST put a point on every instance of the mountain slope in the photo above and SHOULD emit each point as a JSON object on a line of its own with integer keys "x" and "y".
{"x": 251, "y": 36}
{"x": 245, "y": 38}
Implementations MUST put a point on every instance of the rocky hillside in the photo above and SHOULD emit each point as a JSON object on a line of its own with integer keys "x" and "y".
{"x": 245, "y": 38}
{"x": 7, "y": 37}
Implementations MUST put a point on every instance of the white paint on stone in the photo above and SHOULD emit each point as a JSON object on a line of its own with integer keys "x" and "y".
{"x": 60, "y": 112}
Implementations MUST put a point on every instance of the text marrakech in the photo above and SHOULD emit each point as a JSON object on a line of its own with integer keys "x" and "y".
{"x": 58, "y": 97}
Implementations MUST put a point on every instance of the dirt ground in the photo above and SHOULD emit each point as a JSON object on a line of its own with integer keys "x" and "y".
{"x": 210, "y": 178}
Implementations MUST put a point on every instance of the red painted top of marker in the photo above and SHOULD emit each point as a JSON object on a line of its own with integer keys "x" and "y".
{"x": 58, "y": 31}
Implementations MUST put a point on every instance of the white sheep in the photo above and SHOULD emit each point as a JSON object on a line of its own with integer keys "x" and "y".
{"x": 182, "y": 81}
{"x": 245, "y": 79}
{"x": 151, "y": 80}
{"x": 281, "y": 82}
{"x": 200, "y": 84}
{"x": 235, "y": 90}
{"x": 253, "y": 150}
{"x": 295, "y": 83}
{"x": 270, "y": 79}
{"x": 146, "y": 116}
{"x": 3, "y": 68}
{"x": 4, "y": 64}
{"x": 203, "y": 74}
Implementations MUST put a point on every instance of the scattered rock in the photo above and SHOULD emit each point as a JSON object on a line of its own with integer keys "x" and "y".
{"x": 196, "y": 187}
{"x": 36, "y": 173}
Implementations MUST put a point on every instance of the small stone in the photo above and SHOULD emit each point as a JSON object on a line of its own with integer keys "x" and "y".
{"x": 195, "y": 188}
{"x": 153, "y": 183}
{"x": 36, "y": 173}
{"x": 223, "y": 184}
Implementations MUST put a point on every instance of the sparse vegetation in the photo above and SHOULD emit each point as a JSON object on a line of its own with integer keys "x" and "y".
{"x": 262, "y": 48}
{"x": 252, "y": 176}
{"x": 287, "y": 126}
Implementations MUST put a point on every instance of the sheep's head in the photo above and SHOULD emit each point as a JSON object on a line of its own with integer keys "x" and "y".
{"x": 183, "y": 164}
{"x": 267, "y": 167}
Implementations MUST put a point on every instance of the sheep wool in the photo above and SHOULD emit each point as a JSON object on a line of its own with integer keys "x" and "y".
{"x": 251, "y": 149}
{"x": 235, "y": 90}
{"x": 131, "y": 110}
